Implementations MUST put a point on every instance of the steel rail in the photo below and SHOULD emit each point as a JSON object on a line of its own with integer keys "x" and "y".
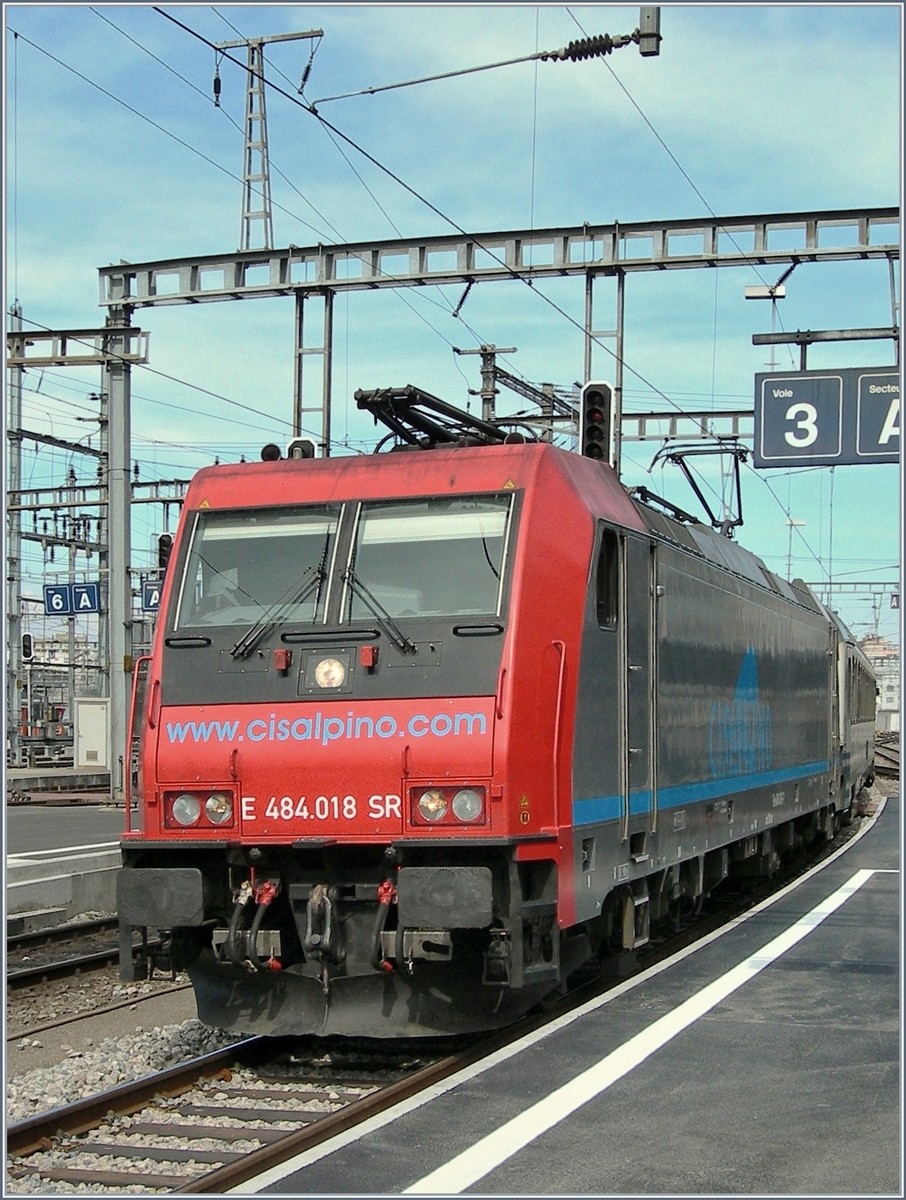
{"x": 277, "y": 1152}
{"x": 32, "y": 1134}
{"x": 130, "y": 1002}
{"x": 60, "y": 933}
{"x": 39, "y": 1132}
{"x": 65, "y": 967}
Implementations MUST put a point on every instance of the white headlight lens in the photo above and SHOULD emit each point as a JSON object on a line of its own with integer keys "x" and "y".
{"x": 330, "y": 673}
{"x": 186, "y": 809}
{"x": 218, "y": 808}
{"x": 432, "y": 805}
{"x": 467, "y": 804}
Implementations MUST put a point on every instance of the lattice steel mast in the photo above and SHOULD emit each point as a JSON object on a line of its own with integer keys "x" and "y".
{"x": 256, "y": 173}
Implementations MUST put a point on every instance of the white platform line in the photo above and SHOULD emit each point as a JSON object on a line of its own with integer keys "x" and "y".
{"x": 38, "y": 855}
{"x": 461, "y": 1172}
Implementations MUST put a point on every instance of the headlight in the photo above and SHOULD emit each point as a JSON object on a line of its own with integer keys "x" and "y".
{"x": 186, "y": 809}
{"x": 467, "y": 804}
{"x": 432, "y": 805}
{"x": 330, "y": 673}
{"x": 218, "y": 808}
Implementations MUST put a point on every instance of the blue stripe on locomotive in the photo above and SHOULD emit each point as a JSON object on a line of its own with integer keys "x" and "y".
{"x": 740, "y": 735}
{"x": 595, "y": 810}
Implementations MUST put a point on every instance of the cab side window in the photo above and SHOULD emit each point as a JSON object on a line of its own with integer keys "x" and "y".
{"x": 607, "y": 576}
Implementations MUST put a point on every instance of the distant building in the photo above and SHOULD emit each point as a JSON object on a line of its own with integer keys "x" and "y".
{"x": 885, "y": 658}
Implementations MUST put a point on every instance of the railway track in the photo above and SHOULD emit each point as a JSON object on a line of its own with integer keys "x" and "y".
{"x": 85, "y": 945}
{"x": 53, "y": 934}
{"x": 887, "y": 755}
{"x": 216, "y": 1122}
{"x": 20, "y": 977}
{"x": 60, "y": 951}
{"x": 132, "y": 1001}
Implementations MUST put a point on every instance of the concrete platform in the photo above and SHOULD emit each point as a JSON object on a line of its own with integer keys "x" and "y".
{"x": 763, "y": 1061}
{"x": 22, "y": 780}
{"x": 43, "y": 884}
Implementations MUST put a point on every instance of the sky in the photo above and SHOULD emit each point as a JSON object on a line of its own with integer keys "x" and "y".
{"x": 114, "y": 150}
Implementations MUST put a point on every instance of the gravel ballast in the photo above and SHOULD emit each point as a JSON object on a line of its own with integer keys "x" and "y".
{"x": 86, "y": 1072}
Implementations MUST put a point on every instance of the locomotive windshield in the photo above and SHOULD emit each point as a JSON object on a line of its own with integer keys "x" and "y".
{"x": 243, "y": 564}
{"x": 431, "y": 558}
{"x": 422, "y": 558}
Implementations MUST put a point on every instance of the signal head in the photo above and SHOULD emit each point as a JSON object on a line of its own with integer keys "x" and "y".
{"x": 300, "y": 448}
{"x": 595, "y": 420}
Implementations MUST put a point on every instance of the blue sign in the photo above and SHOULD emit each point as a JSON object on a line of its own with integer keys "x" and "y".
{"x": 827, "y": 418}
{"x": 151, "y": 596}
{"x": 57, "y": 600}
{"x": 86, "y": 598}
{"x": 71, "y": 599}
{"x": 877, "y": 417}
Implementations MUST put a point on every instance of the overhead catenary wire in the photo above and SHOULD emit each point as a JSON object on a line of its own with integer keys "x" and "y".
{"x": 321, "y": 216}
{"x": 587, "y": 47}
{"x": 163, "y": 375}
{"x": 711, "y": 211}
{"x": 162, "y": 129}
{"x": 511, "y": 271}
{"x": 231, "y": 174}
{"x": 403, "y": 299}
{"x": 514, "y": 274}
{"x": 658, "y": 391}
{"x": 679, "y": 166}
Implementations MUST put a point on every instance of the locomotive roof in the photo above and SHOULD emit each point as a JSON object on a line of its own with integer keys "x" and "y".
{"x": 452, "y": 470}
{"x": 399, "y": 475}
{"x": 714, "y": 546}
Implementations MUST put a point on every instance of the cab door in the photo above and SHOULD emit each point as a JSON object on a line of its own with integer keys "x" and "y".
{"x": 637, "y": 691}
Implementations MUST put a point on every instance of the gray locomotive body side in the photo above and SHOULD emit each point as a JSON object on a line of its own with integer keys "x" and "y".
{"x": 709, "y": 738}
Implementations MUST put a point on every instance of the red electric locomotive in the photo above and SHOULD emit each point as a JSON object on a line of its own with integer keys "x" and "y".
{"x": 423, "y": 732}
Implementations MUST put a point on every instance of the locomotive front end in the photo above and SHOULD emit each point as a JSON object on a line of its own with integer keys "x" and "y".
{"x": 327, "y": 828}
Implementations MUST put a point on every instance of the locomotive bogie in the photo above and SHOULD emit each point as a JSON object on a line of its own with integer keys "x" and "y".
{"x": 421, "y": 735}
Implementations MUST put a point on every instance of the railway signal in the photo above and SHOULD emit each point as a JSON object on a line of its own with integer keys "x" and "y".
{"x": 164, "y": 549}
{"x": 596, "y": 420}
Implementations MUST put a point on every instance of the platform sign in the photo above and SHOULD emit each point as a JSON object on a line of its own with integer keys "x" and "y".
{"x": 71, "y": 599}
{"x": 877, "y": 416}
{"x": 57, "y": 600}
{"x": 827, "y": 418}
{"x": 151, "y": 596}
{"x": 86, "y": 598}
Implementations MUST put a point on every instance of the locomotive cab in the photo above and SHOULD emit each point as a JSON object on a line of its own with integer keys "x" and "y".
{"x": 339, "y": 806}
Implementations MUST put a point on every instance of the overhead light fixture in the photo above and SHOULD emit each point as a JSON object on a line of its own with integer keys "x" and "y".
{"x": 766, "y": 292}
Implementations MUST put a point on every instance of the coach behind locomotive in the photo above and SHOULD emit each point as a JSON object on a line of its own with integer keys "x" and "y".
{"x": 472, "y": 718}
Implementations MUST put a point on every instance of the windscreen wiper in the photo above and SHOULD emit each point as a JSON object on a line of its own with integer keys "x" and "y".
{"x": 380, "y": 613}
{"x": 278, "y": 610}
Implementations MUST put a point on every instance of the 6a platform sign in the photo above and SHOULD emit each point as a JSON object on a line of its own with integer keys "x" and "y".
{"x": 71, "y": 599}
{"x": 827, "y": 418}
